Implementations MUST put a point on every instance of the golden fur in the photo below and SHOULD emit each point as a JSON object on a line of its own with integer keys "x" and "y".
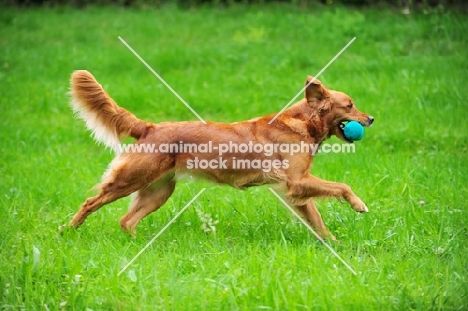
{"x": 152, "y": 176}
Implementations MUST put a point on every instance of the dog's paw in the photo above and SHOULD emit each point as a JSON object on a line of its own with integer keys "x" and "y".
{"x": 359, "y": 206}
{"x": 62, "y": 229}
{"x": 333, "y": 239}
{"x": 131, "y": 232}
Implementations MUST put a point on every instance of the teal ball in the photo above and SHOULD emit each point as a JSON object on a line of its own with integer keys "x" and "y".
{"x": 353, "y": 131}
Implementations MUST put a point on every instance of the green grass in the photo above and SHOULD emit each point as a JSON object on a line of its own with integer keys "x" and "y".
{"x": 409, "y": 72}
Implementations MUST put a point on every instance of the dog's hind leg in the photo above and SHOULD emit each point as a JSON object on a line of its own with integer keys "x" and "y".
{"x": 122, "y": 179}
{"x": 145, "y": 202}
{"x": 109, "y": 192}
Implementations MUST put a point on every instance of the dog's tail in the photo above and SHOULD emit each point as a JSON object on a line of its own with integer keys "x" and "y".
{"x": 108, "y": 122}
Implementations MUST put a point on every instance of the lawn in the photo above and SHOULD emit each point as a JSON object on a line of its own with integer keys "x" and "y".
{"x": 230, "y": 64}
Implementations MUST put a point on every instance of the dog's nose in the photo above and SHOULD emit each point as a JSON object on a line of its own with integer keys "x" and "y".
{"x": 370, "y": 119}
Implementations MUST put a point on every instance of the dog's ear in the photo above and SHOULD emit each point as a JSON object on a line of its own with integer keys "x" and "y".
{"x": 315, "y": 89}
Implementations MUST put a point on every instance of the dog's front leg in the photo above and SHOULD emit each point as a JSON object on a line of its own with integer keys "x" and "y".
{"x": 312, "y": 187}
{"x": 311, "y": 213}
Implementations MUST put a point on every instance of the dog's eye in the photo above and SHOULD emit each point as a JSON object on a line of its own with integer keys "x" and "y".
{"x": 350, "y": 105}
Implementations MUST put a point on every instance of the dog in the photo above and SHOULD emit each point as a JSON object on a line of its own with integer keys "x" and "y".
{"x": 151, "y": 176}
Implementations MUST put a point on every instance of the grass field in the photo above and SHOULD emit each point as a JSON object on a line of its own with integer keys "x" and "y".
{"x": 409, "y": 72}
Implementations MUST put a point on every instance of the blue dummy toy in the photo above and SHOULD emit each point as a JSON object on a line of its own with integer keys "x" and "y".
{"x": 353, "y": 131}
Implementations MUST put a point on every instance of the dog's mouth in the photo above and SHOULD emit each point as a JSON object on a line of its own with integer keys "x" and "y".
{"x": 341, "y": 135}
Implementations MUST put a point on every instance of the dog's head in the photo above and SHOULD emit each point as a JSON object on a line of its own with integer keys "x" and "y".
{"x": 334, "y": 107}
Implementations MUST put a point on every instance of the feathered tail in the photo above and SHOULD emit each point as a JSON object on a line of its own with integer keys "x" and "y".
{"x": 108, "y": 122}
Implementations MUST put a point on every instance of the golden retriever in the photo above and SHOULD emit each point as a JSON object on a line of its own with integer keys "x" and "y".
{"x": 240, "y": 154}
